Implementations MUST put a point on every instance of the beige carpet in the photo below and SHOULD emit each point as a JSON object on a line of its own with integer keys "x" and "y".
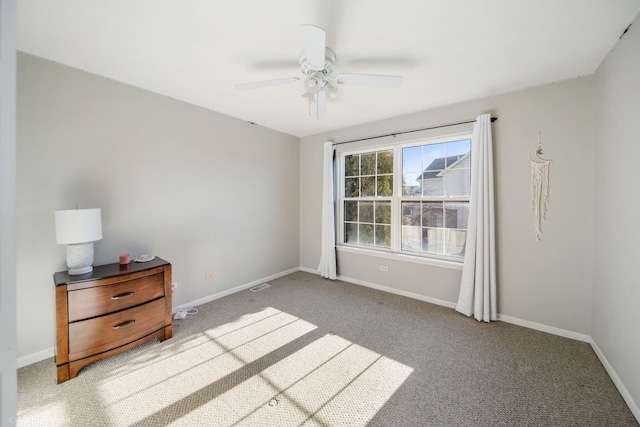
{"x": 308, "y": 351}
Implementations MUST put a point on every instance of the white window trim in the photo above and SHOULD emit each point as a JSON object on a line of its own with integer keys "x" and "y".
{"x": 395, "y": 252}
{"x": 416, "y": 259}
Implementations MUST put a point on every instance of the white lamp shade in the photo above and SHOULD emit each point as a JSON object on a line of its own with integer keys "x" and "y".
{"x": 75, "y": 226}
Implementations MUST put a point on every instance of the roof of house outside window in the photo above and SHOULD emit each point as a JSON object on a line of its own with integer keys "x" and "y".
{"x": 438, "y": 165}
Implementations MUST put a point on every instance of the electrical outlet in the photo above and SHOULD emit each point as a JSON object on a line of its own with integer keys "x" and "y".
{"x": 174, "y": 286}
{"x": 208, "y": 276}
{"x": 384, "y": 268}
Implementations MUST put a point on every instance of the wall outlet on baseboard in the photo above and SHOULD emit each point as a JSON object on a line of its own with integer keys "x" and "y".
{"x": 208, "y": 276}
{"x": 384, "y": 268}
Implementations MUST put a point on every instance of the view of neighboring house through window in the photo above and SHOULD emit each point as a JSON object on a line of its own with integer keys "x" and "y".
{"x": 435, "y": 197}
{"x": 424, "y": 213}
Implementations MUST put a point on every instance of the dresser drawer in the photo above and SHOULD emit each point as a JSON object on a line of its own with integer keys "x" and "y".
{"x": 99, "y": 300}
{"x": 89, "y": 337}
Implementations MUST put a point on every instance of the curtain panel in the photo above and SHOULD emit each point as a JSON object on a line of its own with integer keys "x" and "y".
{"x": 478, "y": 285}
{"x": 327, "y": 267}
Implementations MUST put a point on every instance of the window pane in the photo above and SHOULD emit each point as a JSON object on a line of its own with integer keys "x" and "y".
{"x": 437, "y": 170}
{"x": 433, "y": 240}
{"x": 412, "y": 159}
{"x": 411, "y": 213}
{"x": 351, "y": 233}
{"x": 383, "y": 212}
{"x": 368, "y": 186}
{"x": 432, "y": 214}
{"x": 411, "y": 184}
{"x": 433, "y": 165}
{"x": 383, "y": 235}
{"x": 433, "y": 157}
{"x": 351, "y": 187}
{"x": 411, "y": 171}
{"x": 456, "y": 215}
{"x": 366, "y": 234}
{"x": 459, "y": 147}
{"x": 385, "y": 185}
{"x": 350, "y": 210}
{"x": 366, "y": 212}
{"x": 432, "y": 183}
{"x": 411, "y": 239}
{"x": 457, "y": 181}
{"x": 458, "y": 164}
{"x": 368, "y": 164}
{"x": 352, "y": 165}
{"x": 385, "y": 162}
{"x": 454, "y": 242}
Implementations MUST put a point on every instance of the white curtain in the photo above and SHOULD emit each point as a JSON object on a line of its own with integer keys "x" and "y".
{"x": 478, "y": 288}
{"x": 327, "y": 267}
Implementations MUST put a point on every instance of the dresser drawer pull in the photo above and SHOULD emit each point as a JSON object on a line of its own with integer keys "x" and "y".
{"x": 123, "y": 295}
{"x": 124, "y": 324}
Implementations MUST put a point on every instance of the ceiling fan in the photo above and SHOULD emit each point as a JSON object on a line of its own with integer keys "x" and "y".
{"x": 316, "y": 64}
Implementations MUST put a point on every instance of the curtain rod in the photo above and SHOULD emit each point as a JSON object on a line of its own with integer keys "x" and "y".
{"x": 493, "y": 119}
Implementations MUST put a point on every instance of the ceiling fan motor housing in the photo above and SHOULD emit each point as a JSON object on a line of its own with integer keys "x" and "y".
{"x": 308, "y": 69}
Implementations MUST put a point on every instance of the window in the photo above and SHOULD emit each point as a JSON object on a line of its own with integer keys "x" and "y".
{"x": 368, "y": 191}
{"x": 410, "y": 198}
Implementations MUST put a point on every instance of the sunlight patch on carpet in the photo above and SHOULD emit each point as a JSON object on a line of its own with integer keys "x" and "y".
{"x": 156, "y": 386}
{"x": 325, "y": 383}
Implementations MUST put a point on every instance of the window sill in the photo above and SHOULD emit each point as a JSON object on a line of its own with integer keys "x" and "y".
{"x": 456, "y": 265}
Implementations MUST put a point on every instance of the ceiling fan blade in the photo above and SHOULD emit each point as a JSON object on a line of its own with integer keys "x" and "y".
{"x": 318, "y": 105}
{"x": 371, "y": 80}
{"x": 314, "y": 39}
{"x": 266, "y": 83}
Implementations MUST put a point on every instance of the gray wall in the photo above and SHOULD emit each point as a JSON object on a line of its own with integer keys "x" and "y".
{"x": 207, "y": 192}
{"x": 616, "y": 293}
{"x": 549, "y": 282}
{"x": 8, "y": 376}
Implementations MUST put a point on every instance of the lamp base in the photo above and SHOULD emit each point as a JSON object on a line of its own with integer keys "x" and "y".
{"x": 80, "y": 258}
{"x": 83, "y": 270}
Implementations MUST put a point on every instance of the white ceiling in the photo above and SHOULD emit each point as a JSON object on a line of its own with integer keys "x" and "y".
{"x": 447, "y": 50}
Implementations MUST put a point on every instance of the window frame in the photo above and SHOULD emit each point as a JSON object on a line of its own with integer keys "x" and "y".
{"x": 395, "y": 250}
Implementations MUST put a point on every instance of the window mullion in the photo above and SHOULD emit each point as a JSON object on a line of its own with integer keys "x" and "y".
{"x": 395, "y": 203}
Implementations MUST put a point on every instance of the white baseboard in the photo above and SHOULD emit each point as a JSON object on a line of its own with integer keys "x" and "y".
{"x": 633, "y": 406}
{"x": 309, "y": 270}
{"x": 545, "y": 328}
{"x": 398, "y": 292}
{"x": 232, "y": 290}
{"x": 394, "y": 291}
{"x": 32, "y": 358}
{"x": 507, "y": 319}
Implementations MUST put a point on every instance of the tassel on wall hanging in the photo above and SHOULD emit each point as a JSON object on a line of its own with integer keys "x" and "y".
{"x": 539, "y": 186}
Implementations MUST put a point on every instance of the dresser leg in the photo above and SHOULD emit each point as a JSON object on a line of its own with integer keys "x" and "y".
{"x": 63, "y": 373}
{"x": 168, "y": 332}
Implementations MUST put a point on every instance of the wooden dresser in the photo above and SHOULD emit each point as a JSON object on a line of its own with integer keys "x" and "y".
{"x": 109, "y": 310}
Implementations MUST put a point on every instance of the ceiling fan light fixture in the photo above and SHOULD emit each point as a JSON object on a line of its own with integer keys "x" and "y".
{"x": 315, "y": 82}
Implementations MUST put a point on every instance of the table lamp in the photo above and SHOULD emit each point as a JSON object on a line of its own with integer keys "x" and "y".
{"x": 78, "y": 229}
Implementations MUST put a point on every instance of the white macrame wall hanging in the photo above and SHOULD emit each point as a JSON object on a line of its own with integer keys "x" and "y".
{"x": 539, "y": 186}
